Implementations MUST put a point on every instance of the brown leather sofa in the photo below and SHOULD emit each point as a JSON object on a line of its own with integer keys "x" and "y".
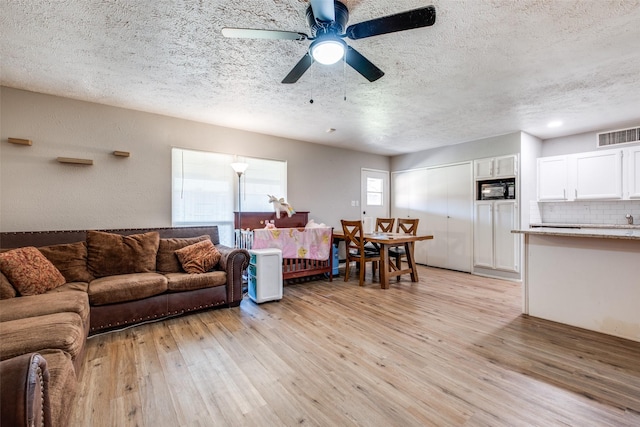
{"x": 42, "y": 337}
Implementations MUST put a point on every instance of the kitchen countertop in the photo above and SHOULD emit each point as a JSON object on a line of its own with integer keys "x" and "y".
{"x": 575, "y": 225}
{"x": 611, "y": 232}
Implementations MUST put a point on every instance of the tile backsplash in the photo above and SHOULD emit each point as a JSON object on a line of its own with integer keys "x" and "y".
{"x": 585, "y": 212}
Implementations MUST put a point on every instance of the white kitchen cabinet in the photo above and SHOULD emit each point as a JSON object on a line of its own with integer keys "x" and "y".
{"x": 483, "y": 234}
{"x": 496, "y": 167}
{"x": 506, "y": 245}
{"x": 449, "y": 217}
{"x": 594, "y": 175}
{"x": 494, "y": 246}
{"x": 598, "y": 175}
{"x": 633, "y": 172}
{"x": 553, "y": 177}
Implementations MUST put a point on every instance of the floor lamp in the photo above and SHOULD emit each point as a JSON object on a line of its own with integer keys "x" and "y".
{"x": 239, "y": 168}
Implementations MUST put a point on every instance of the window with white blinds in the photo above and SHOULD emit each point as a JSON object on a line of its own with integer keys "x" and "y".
{"x": 204, "y": 188}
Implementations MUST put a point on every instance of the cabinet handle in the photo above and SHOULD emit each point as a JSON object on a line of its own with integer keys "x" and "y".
{"x": 564, "y": 193}
{"x": 576, "y": 193}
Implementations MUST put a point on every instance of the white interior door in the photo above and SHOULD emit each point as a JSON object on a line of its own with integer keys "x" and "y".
{"x": 374, "y": 194}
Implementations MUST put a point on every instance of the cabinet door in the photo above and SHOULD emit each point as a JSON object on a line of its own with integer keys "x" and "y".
{"x": 505, "y": 166}
{"x": 506, "y": 243}
{"x": 598, "y": 175}
{"x": 552, "y": 178}
{"x": 483, "y": 168}
{"x": 633, "y": 172}
{"x": 483, "y": 235}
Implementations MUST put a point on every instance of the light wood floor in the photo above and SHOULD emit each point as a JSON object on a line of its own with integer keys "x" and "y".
{"x": 451, "y": 350}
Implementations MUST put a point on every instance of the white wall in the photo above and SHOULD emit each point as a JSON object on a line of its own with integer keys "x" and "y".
{"x": 482, "y": 148}
{"x": 578, "y": 143}
{"x": 37, "y": 193}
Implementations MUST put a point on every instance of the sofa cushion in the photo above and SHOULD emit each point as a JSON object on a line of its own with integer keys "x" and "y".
{"x": 126, "y": 287}
{"x": 109, "y": 254}
{"x": 70, "y": 259}
{"x": 49, "y": 303}
{"x": 63, "y": 331}
{"x": 199, "y": 257}
{"x": 167, "y": 261}
{"x": 6, "y": 288}
{"x": 29, "y": 271}
{"x": 63, "y": 385}
{"x": 72, "y": 286}
{"x": 179, "y": 282}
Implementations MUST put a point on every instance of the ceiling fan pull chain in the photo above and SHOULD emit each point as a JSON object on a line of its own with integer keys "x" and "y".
{"x": 344, "y": 76}
{"x": 311, "y": 87}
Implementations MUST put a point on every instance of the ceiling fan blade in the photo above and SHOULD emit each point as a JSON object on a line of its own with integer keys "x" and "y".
{"x": 300, "y": 68}
{"x": 247, "y": 33}
{"x": 363, "y": 65}
{"x": 416, "y": 18}
{"x": 323, "y": 10}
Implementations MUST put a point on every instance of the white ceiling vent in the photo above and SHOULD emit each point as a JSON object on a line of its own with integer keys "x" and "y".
{"x": 615, "y": 137}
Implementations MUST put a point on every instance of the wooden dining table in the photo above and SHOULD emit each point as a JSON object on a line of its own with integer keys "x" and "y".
{"x": 385, "y": 241}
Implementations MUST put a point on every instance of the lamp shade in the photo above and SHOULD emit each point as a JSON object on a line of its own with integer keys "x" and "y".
{"x": 239, "y": 167}
{"x": 328, "y": 50}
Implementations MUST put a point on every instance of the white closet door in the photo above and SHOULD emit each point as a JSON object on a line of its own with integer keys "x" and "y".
{"x": 450, "y": 217}
{"x": 459, "y": 217}
{"x": 436, "y": 217}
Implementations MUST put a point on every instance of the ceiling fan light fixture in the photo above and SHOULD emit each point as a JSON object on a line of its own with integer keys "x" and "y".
{"x": 328, "y": 50}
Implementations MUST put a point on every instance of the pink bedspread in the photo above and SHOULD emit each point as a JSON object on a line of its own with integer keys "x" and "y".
{"x": 312, "y": 243}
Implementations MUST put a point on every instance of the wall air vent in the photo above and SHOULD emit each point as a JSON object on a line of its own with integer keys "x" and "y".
{"x": 622, "y": 136}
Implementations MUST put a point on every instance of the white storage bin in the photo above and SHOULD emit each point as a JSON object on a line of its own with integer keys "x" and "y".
{"x": 265, "y": 275}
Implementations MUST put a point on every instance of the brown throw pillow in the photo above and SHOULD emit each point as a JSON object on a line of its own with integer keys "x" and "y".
{"x": 199, "y": 257}
{"x": 6, "y": 288}
{"x": 167, "y": 261}
{"x": 70, "y": 259}
{"x": 109, "y": 254}
{"x": 29, "y": 271}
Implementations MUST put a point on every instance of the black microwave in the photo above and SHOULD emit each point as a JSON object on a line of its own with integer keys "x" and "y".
{"x": 497, "y": 189}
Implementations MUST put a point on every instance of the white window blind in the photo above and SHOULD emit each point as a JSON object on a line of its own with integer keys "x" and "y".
{"x": 205, "y": 188}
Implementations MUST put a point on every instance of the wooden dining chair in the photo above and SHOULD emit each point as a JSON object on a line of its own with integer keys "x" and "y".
{"x": 383, "y": 225}
{"x": 406, "y": 226}
{"x": 354, "y": 239}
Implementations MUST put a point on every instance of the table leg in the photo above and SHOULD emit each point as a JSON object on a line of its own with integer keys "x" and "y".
{"x": 408, "y": 248}
{"x": 384, "y": 267}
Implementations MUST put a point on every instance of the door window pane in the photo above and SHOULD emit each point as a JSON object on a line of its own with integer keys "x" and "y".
{"x": 374, "y": 191}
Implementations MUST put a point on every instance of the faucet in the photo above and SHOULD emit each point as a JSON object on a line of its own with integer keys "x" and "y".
{"x": 629, "y": 219}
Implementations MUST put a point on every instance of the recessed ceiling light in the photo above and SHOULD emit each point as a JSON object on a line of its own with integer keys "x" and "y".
{"x": 554, "y": 124}
{"x": 330, "y": 130}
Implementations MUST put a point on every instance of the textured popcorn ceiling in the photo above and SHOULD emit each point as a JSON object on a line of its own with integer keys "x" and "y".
{"x": 487, "y": 67}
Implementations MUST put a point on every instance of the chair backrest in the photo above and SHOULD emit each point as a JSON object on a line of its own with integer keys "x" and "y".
{"x": 353, "y": 234}
{"x": 408, "y": 226}
{"x": 385, "y": 225}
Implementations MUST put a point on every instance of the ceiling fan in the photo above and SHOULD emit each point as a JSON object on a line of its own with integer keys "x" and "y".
{"x": 327, "y": 20}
